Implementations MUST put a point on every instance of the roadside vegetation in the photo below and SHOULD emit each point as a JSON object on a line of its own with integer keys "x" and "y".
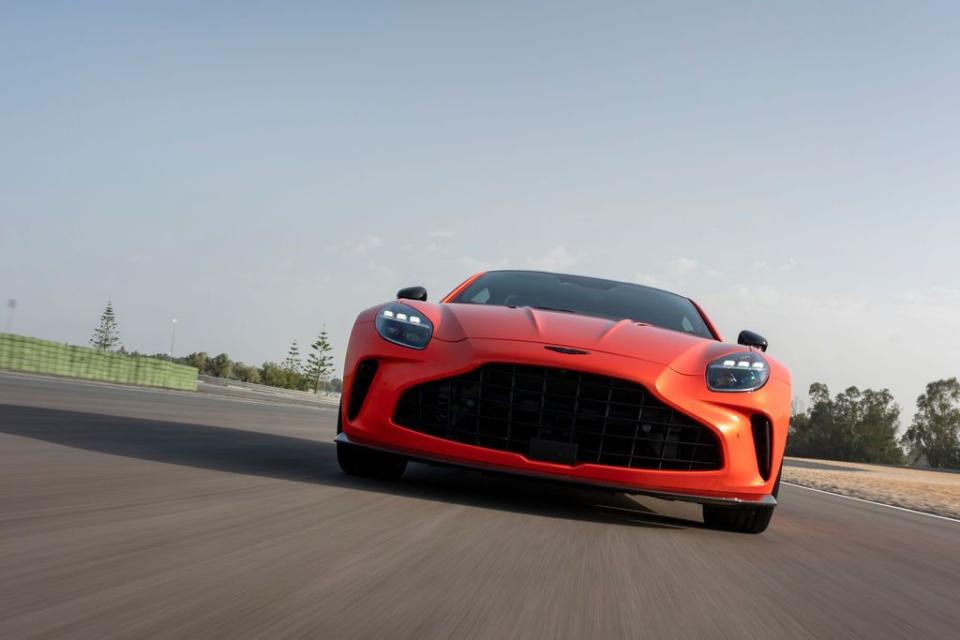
{"x": 861, "y": 426}
{"x": 315, "y": 373}
{"x": 292, "y": 373}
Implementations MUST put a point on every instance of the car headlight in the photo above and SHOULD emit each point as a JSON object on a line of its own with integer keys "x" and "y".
{"x": 745, "y": 371}
{"x": 404, "y": 325}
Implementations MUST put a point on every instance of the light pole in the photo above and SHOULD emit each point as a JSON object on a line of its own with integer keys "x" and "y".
{"x": 11, "y": 306}
{"x": 173, "y": 336}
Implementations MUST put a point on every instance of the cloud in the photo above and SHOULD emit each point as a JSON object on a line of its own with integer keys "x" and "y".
{"x": 683, "y": 266}
{"x": 558, "y": 258}
{"x": 674, "y": 274}
{"x": 789, "y": 264}
{"x": 764, "y": 295}
{"x": 472, "y": 265}
{"x": 437, "y": 249}
{"x": 945, "y": 292}
{"x": 442, "y": 233}
{"x": 763, "y": 265}
{"x": 368, "y": 244}
{"x": 933, "y": 295}
{"x": 647, "y": 279}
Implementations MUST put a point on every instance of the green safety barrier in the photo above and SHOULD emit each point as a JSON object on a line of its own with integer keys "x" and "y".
{"x": 20, "y": 353}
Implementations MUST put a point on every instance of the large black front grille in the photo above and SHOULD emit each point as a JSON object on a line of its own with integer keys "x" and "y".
{"x": 609, "y": 421}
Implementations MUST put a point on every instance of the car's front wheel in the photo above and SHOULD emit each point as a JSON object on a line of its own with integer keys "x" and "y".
{"x": 367, "y": 463}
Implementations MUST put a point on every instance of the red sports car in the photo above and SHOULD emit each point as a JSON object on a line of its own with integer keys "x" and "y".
{"x": 602, "y": 383}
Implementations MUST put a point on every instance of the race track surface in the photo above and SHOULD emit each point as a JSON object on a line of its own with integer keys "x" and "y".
{"x": 141, "y": 514}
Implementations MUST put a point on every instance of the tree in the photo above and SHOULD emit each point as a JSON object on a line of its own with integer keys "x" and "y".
{"x": 220, "y": 366}
{"x": 811, "y": 431}
{"x": 245, "y": 373}
{"x": 858, "y": 426}
{"x": 293, "y": 377}
{"x": 876, "y": 437}
{"x": 106, "y": 337}
{"x": 292, "y": 361}
{"x": 199, "y": 360}
{"x": 319, "y": 362}
{"x": 935, "y": 431}
{"x": 847, "y": 419}
{"x": 273, "y": 375}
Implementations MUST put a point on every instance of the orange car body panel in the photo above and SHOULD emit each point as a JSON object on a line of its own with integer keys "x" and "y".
{"x": 669, "y": 364}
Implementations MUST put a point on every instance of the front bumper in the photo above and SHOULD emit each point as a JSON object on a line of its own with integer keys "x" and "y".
{"x": 737, "y": 482}
{"x": 766, "y": 500}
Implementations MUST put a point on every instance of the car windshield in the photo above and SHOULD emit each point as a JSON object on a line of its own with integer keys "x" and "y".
{"x": 586, "y": 296}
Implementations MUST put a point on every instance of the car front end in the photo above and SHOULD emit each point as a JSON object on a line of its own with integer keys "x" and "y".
{"x": 548, "y": 405}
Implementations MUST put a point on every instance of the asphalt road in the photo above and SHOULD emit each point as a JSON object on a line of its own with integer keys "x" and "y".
{"x": 141, "y": 514}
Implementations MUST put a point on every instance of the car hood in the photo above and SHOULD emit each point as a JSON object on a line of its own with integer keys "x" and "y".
{"x": 625, "y": 337}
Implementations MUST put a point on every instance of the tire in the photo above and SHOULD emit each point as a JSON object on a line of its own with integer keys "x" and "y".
{"x": 745, "y": 519}
{"x": 368, "y": 463}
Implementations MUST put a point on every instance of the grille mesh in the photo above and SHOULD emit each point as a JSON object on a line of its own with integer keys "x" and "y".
{"x": 611, "y": 421}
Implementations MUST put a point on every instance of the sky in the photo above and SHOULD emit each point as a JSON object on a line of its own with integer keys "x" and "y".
{"x": 260, "y": 171}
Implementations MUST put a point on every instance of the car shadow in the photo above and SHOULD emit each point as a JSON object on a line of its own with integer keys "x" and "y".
{"x": 294, "y": 459}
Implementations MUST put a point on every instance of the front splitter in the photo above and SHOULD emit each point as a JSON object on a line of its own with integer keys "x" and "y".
{"x": 761, "y": 501}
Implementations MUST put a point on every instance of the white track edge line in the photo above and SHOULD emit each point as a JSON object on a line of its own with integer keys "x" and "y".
{"x": 881, "y": 504}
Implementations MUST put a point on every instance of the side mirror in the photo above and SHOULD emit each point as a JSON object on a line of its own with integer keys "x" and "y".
{"x": 751, "y": 339}
{"x": 413, "y": 293}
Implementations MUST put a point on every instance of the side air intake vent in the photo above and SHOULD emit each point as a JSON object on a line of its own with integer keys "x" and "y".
{"x": 763, "y": 443}
{"x": 362, "y": 380}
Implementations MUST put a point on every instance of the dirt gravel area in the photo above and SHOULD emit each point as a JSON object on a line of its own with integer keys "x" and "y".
{"x": 921, "y": 489}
